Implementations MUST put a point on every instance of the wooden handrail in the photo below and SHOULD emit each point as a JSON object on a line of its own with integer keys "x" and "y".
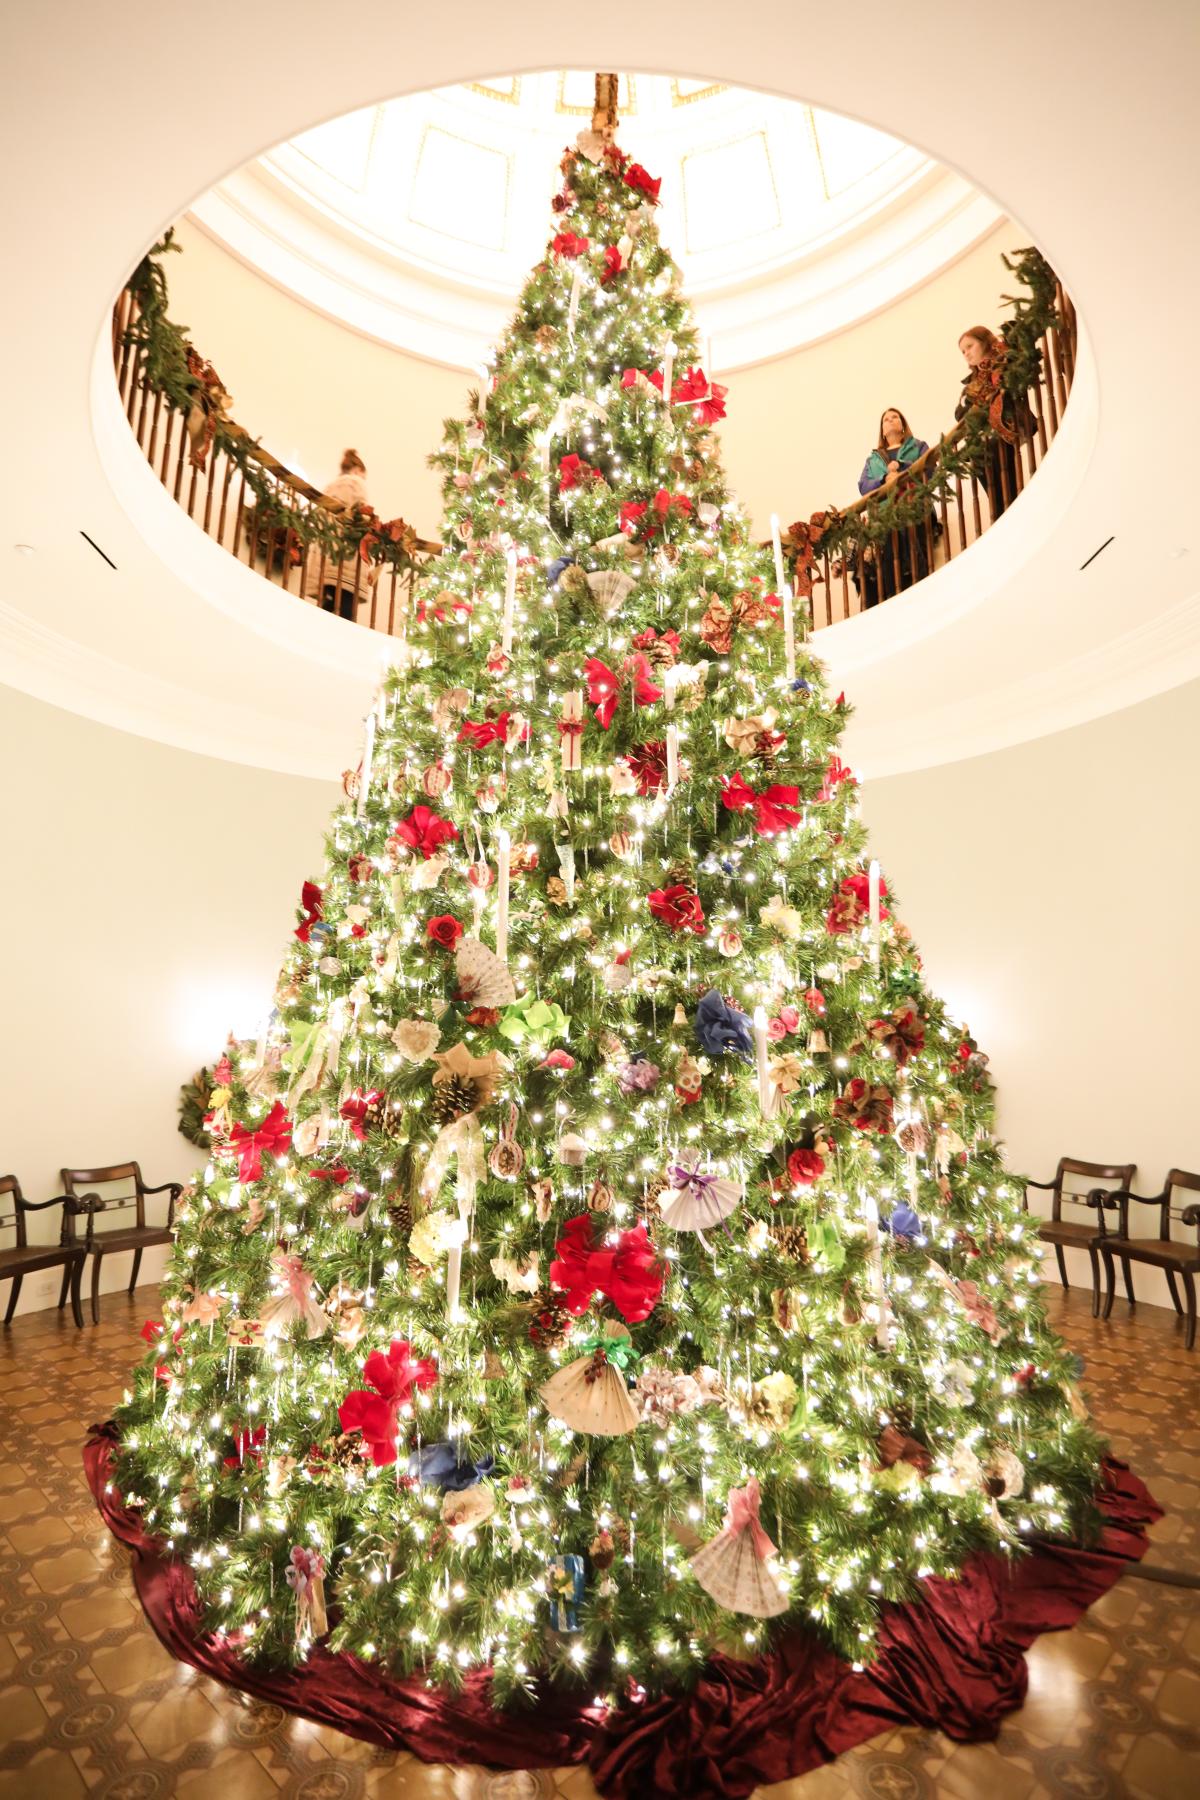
{"x": 215, "y": 497}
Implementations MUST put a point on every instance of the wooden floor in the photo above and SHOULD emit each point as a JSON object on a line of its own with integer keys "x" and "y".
{"x": 91, "y": 1704}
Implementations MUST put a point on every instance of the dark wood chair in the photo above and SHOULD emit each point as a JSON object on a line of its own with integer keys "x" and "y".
{"x": 1161, "y": 1252}
{"x": 1081, "y": 1234}
{"x": 23, "y": 1258}
{"x": 139, "y": 1237}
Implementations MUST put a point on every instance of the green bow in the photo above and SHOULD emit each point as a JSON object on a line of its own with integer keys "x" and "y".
{"x": 529, "y": 1018}
{"x": 618, "y": 1350}
{"x": 825, "y": 1244}
{"x": 303, "y": 1036}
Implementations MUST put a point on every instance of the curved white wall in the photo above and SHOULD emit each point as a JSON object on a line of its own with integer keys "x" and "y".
{"x": 798, "y": 427}
{"x": 1050, "y": 887}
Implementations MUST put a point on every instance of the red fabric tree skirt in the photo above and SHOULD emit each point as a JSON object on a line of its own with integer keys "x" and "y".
{"x": 954, "y": 1663}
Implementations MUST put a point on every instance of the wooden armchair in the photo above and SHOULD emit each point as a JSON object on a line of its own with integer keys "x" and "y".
{"x": 23, "y": 1258}
{"x": 138, "y": 1237}
{"x": 1161, "y": 1252}
{"x": 1082, "y": 1234}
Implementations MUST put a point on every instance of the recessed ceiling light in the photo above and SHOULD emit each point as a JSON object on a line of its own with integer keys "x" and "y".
{"x": 24, "y": 549}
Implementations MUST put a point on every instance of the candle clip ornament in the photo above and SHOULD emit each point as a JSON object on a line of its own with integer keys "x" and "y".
{"x": 367, "y": 757}
{"x": 570, "y": 729}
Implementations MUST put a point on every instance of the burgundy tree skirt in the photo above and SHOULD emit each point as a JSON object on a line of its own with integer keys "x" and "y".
{"x": 953, "y": 1663}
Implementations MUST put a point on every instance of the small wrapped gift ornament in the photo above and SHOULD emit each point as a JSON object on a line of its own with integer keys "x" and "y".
{"x": 570, "y": 729}
{"x": 565, "y": 1583}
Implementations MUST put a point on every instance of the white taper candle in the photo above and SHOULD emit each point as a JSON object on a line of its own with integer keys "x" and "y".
{"x": 504, "y": 845}
{"x": 510, "y": 594}
{"x": 777, "y": 547}
{"x": 364, "y": 780}
{"x": 873, "y": 902}
{"x": 765, "y": 1103}
{"x": 789, "y": 632}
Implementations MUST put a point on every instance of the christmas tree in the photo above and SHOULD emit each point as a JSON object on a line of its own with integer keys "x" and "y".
{"x": 605, "y": 1255}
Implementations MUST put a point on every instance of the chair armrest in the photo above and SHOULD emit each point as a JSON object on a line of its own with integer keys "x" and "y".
{"x": 1190, "y": 1216}
{"x": 1107, "y": 1199}
{"x": 66, "y": 1200}
{"x": 174, "y": 1188}
{"x": 1048, "y": 1185}
{"x": 86, "y": 1206}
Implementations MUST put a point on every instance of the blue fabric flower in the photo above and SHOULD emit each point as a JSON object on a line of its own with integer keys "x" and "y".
{"x": 801, "y": 687}
{"x": 904, "y": 1223}
{"x": 721, "y": 1027}
{"x": 556, "y": 568}
{"x": 446, "y": 1466}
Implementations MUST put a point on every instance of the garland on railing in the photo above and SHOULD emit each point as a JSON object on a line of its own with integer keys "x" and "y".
{"x": 841, "y": 534}
{"x": 171, "y": 366}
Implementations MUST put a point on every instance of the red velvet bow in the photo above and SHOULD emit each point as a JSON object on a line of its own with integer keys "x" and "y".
{"x": 835, "y": 774}
{"x": 643, "y": 183}
{"x": 573, "y": 471}
{"x": 612, "y": 264}
{"x": 273, "y": 1135}
{"x": 393, "y": 1376}
{"x": 338, "y": 1173}
{"x": 627, "y": 1272}
{"x": 741, "y": 1514}
{"x": 355, "y": 1110}
{"x": 310, "y": 900}
{"x": 666, "y": 503}
{"x": 630, "y": 516}
{"x": 653, "y": 376}
{"x": 567, "y": 244}
{"x": 709, "y": 396}
{"x": 425, "y": 830}
{"x": 774, "y": 809}
{"x": 488, "y": 731}
{"x": 604, "y": 687}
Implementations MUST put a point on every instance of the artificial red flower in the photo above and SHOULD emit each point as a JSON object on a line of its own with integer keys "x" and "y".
{"x": 573, "y": 471}
{"x": 679, "y": 907}
{"x": 558, "y": 1059}
{"x": 853, "y": 904}
{"x": 648, "y": 764}
{"x": 629, "y": 377}
{"x": 273, "y": 1136}
{"x": 642, "y": 183}
{"x": 310, "y": 901}
{"x": 665, "y": 503}
{"x": 708, "y": 396}
{"x": 354, "y": 1110}
{"x": 773, "y": 809}
{"x": 604, "y": 686}
{"x": 484, "y": 1016}
{"x": 613, "y": 264}
{"x": 630, "y": 516}
{"x": 663, "y": 646}
{"x": 394, "y": 1376}
{"x": 787, "y": 1021}
{"x": 444, "y": 930}
{"x": 247, "y": 1445}
{"x": 627, "y": 1272}
{"x": 425, "y": 830}
{"x": 804, "y": 1167}
{"x": 835, "y": 775}
{"x": 567, "y": 244}
{"x": 814, "y": 999}
{"x": 223, "y": 1072}
{"x": 902, "y": 1034}
{"x": 866, "y": 1107}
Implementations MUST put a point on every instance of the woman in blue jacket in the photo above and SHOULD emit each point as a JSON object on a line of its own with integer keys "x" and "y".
{"x": 895, "y": 452}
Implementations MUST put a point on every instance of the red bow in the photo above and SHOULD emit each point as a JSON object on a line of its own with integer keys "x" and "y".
{"x": 835, "y": 774}
{"x": 653, "y": 376}
{"x": 274, "y": 1135}
{"x": 666, "y": 503}
{"x": 338, "y": 1173}
{"x": 642, "y": 183}
{"x": 627, "y": 1272}
{"x": 488, "y": 731}
{"x": 425, "y": 831}
{"x": 612, "y": 264}
{"x": 708, "y": 395}
{"x": 573, "y": 471}
{"x": 604, "y": 687}
{"x": 393, "y": 1376}
{"x": 567, "y": 244}
{"x": 774, "y": 809}
{"x": 630, "y": 516}
{"x": 310, "y": 900}
{"x": 355, "y": 1110}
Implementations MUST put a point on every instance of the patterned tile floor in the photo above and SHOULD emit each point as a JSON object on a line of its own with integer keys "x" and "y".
{"x": 91, "y": 1704}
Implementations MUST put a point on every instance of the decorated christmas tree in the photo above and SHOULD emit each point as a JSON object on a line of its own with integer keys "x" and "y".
{"x": 604, "y": 1256}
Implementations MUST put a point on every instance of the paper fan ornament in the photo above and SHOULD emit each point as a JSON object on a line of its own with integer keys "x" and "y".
{"x": 695, "y": 1199}
{"x": 609, "y": 588}
{"x": 735, "y": 1566}
{"x": 590, "y": 1394}
{"x": 483, "y": 980}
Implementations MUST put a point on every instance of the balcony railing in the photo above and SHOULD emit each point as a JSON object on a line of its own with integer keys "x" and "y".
{"x": 848, "y": 563}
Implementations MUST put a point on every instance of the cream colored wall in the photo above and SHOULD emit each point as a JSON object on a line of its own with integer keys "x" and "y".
{"x": 145, "y": 899}
{"x": 1052, "y": 889}
{"x": 796, "y": 436}
{"x": 147, "y": 895}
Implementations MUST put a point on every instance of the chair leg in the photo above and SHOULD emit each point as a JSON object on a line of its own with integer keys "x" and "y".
{"x": 1175, "y": 1300}
{"x": 12, "y": 1298}
{"x": 97, "y": 1259}
{"x": 76, "y": 1283}
{"x": 137, "y": 1263}
{"x": 1062, "y": 1264}
{"x": 1189, "y": 1288}
{"x": 1127, "y": 1272}
{"x": 1094, "y": 1259}
{"x": 1110, "y": 1281}
{"x": 66, "y": 1282}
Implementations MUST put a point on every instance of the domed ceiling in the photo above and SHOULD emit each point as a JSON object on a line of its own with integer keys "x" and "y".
{"x": 418, "y": 219}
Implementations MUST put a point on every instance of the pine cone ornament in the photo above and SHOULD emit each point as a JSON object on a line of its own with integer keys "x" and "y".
{"x": 550, "y": 1322}
{"x": 457, "y": 1095}
{"x": 507, "y": 1158}
{"x": 382, "y": 1116}
{"x": 400, "y": 1213}
{"x": 680, "y": 874}
{"x": 790, "y": 1241}
{"x": 600, "y": 1197}
{"x": 655, "y": 1189}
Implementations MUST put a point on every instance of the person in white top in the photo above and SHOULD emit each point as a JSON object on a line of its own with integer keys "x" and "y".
{"x": 350, "y": 488}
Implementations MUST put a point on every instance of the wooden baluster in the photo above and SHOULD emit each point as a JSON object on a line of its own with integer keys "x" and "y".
{"x": 943, "y": 502}
{"x": 209, "y": 489}
{"x": 240, "y": 514}
{"x": 285, "y": 561}
{"x": 1039, "y": 408}
{"x": 225, "y": 486}
{"x": 1048, "y": 366}
{"x": 391, "y": 622}
{"x": 975, "y": 512}
{"x": 1067, "y": 314}
{"x": 358, "y": 570}
{"x": 322, "y": 578}
{"x": 144, "y": 390}
{"x": 151, "y": 448}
